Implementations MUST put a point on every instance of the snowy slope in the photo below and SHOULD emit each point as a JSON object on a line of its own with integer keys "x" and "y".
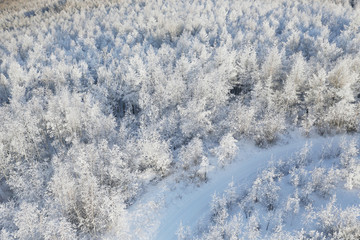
{"x": 188, "y": 205}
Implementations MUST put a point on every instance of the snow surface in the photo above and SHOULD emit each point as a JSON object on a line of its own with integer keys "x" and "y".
{"x": 167, "y": 206}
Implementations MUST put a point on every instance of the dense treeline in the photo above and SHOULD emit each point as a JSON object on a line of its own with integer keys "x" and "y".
{"x": 100, "y": 98}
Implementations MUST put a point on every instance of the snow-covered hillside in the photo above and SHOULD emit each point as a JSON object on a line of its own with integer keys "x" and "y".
{"x": 312, "y": 196}
{"x": 121, "y": 119}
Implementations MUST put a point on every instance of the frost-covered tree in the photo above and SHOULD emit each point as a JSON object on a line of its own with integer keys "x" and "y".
{"x": 337, "y": 223}
{"x": 226, "y": 150}
{"x": 323, "y": 181}
{"x": 241, "y": 120}
{"x": 343, "y": 113}
{"x": 204, "y": 169}
{"x": 194, "y": 119}
{"x": 350, "y": 163}
{"x": 191, "y": 154}
{"x": 84, "y": 203}
{"x": 74, "y": 116}
{"x": 219, "y": 211}
{"x": 253, "y": 227}
{"x": 230, "y": 193}
{"x": 28, "y": 221}
{"x": 248, "y": 71}
{"x": 183, "y": 232}
{"x": 4, "y": 89}
{"x": 154, "y": 153}
{"x": 272, "y": 66}
{"x": 265, "y": 189}
{"x": 315, "y": 99}
{"x": 294, "y": 88}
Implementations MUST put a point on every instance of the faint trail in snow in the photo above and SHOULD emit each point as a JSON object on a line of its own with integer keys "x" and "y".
{"x": 193, "y": 205}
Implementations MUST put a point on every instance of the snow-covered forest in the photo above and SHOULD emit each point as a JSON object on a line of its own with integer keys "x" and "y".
{"x": 176, "y": 119}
